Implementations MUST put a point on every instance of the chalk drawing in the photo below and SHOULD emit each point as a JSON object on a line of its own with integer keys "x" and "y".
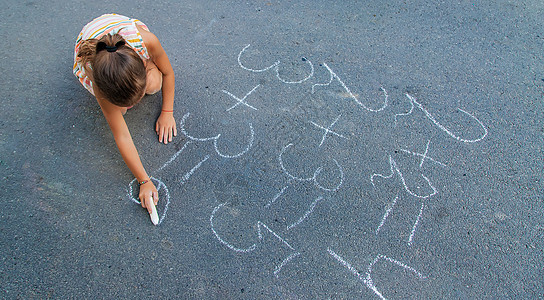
{"x": 182, "y": 129}
{"x": 284, "y": 262}
{"x": 406, "y": 113}
{"x": 231, "y": 247}
{"x": 370, "y": 282}
{"x": 250, "y": 144}
{"x": 275, "y": 66}
{"x": 197, "y": 166}
{"x": 388, "y": 210}
{"x": 321, "y": 181}
{"x": 306, "y": 214}
{"x": 368, "y": 279}
{"x": 323, "y": 84}
{"x": 316, "y": 173}
{"x": 253, "y": 70}
{"x": 174, "y": 156}
{"x": 414, "y": 100}
{"x": 299, "y": 81}
{"x": 328, "y": 130}
{"x": 160, "y": 185}
{"x": 241, "y": 101}
{"x": 394, "y": 167}
{"x": 424, "y": 156}
{"x": 415, "y": 225}
{"x": 278, "y": 195}
{"x": 216, "y": 139}
{"x": 333, "y": 75}
{"x": 260, "y": 225}
{"x": 192, "y": 171}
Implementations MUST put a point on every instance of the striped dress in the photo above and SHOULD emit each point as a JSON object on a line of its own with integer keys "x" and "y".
{"x": 109, "y": 23}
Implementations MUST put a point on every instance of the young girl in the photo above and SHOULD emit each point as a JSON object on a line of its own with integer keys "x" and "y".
{"x": 118, "y": 60}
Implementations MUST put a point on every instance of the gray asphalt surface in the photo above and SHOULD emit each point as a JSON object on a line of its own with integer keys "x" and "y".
{"x": 295, "y": 182}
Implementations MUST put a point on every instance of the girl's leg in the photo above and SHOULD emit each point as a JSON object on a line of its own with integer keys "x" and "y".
{"x": 154, "y": 78}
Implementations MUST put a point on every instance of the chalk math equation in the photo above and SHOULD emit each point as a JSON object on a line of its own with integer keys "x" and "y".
{"x": 326, "y": 179}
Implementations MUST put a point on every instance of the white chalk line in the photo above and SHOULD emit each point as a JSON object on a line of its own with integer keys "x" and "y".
{"x": 299, "y": 81}
{"x": 173, "y": 157}
{"x": 406, "y": 186}
{"x": 383, "y": 176}
{"x": 413, "y": 100}
{"x": 182, "y": 129}
{"x": 405, "y": 114}
{"x": 287, "y": 172}
{"x": 424, "y": 156}
{"x": 368, "y": 279}
{"x": 216, "y": 139}
{"x": 250, "y": 144}
{"x": 253, "y": 70}
{"x": 277, "y": 196}
{"x": 192, "y": 171}
{"x": 328, "y": 130}
{"x": 346, "y": 264}
{"x": 259, "y": 234}
{"x": 276, "y": 68}
{"x": 306, "y": 214}
{"x": 316, "y": 173}
{"x": 259, "y": 224}
{"x": 389, "y": 209}
{"x": 231, "y": 247}
{"x": 159, "y": 186}
{"x": 415, "y": 225}
{"x": 284, "y": 262}
{"x": 398, "y": 263}
{"x": 356, "y": 273}
{"x": 241, "y": 101}
{"x": 394, "y": 167}
{"x": 323, "y": 84}
{"x": 334, "y": 189}
{"x": 333, "y": 75}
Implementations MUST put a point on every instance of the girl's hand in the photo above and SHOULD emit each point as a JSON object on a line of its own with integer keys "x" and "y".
{"x": 166, "y": 127}
{"x": 146, "y": 191}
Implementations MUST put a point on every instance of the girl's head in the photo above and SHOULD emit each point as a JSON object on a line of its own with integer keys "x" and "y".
{"x": 116, "y": 69}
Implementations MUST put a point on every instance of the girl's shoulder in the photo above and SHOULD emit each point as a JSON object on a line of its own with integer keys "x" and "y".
{"x": 150, "y": 40}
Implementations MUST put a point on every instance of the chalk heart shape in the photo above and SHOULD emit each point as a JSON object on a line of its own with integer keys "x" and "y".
{"x": 161, "y": 188}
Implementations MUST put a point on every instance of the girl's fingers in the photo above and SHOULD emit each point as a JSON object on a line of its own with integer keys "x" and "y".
{"x": 170, "y": 131}
{"x": 156, "y": 197}
{"x": 150, "y": 199}
{"x": 175, "y": 130}
{"x": 161, "y": 134}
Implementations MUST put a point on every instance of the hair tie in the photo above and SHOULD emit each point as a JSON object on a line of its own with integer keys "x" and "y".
{"x": 111, "y": 48}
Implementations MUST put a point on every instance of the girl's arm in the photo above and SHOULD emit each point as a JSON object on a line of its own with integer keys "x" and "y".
{"x": 166, "y": 124}
{"x": 128, "y": 151}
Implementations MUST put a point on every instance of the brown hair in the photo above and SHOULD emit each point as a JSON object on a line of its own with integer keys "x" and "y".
{"x": 114, "y": 68}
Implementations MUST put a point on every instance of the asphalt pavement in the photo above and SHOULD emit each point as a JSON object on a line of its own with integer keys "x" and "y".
{"x": 325, "y": 150}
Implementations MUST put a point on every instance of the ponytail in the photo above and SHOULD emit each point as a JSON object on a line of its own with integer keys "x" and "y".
{"x": 114, "y": 68}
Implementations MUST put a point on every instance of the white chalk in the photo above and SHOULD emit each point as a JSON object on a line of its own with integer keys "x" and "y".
{"x": 153, "y": 214}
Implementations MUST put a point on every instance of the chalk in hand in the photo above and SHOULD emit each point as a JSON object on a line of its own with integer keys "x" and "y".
{"x": 153, "y": 214}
